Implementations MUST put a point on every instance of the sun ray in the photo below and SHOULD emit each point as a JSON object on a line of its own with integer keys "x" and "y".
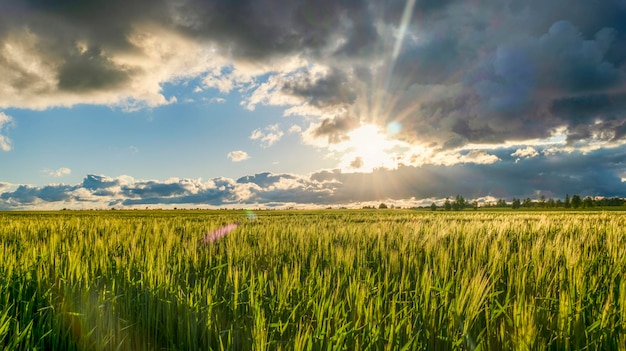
{"x": 404, "y": 23}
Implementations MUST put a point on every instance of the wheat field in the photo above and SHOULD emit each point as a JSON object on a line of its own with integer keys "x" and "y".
{"x": 313, "y": 280}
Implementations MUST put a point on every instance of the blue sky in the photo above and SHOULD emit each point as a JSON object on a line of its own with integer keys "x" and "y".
{"x": 309, "y": 103}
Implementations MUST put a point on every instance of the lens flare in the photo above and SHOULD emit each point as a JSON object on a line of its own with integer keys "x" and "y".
{"x": 219, "y": 233}
{"x": 251, "y": 215}
{"x": 394, "y": 127}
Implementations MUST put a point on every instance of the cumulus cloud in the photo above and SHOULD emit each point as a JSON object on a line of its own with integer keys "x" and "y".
{"x": 98, "y": 191}
{"x": 238, "y": 156}
{"x": 599, "y": 173}
{"x": 295, "y": 129}
{"x": 5, "y": 122}
{"x": 527, "y": 152}
{"x": 5, "y": 186}
{"x": 56, "y": 173}
{"x": 268, "y": 135}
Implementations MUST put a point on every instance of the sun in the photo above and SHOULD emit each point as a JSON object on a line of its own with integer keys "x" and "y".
{"x": 367, "y": 148}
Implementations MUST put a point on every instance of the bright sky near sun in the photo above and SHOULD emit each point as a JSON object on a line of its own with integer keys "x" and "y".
{"x": 309, "y": 103}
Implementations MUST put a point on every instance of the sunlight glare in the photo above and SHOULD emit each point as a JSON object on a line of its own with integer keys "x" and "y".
{"x": 368, "y": 148}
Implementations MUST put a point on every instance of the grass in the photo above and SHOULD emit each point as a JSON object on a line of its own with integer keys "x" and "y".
{"x": 351, "y": 280}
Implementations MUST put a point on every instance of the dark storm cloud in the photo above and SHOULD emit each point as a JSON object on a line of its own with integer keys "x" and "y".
{"x": 60, "y": 25}
{"x": 522, "y": 66}
{"x": 80, "y": 43}
{"x": 332, "y": 89}
{"x": 434, "y": 62}
{"x": 586, "y": 109}
{"x": 90, "y": 71}
{"x": 335, "y": 129}
{"x": 518, "y": 70}
{"x": 259, "y": 29}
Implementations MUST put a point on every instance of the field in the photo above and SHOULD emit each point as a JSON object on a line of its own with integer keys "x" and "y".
{"x": 313, "y": 280}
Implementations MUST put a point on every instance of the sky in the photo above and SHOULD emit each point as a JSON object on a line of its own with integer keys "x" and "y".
{"x": 303, "y": 103}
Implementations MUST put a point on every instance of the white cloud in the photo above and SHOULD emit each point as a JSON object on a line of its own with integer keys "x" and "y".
{"x": 268, "y": 135}
{"x": 269, "y": 93}
{"x": 479, "y": 157}
{"x": 238, "y": 156}
{"x": 295, "y": 129}
{"x": 5, "y": 142}
{"x": 223, "y": 82}
{"x": 57, "y": 172}
{"x": 214, "y": 100}
{"x": 450, "y": 158}
{"x": 527, "y": 152}
{"x": 5, "y": 186}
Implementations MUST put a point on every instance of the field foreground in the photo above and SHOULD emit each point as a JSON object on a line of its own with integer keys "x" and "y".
{"x": 352, "y": 280}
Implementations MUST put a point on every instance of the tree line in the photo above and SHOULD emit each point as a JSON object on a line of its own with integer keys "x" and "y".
{"x": 575, "y": 202}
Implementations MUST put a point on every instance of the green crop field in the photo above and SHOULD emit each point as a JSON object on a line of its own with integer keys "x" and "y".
{"x": 313, "y": 280}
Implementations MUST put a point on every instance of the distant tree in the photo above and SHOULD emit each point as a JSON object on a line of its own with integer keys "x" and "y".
{"x": 382, "y": 205}
{"x": 459, "y": 203}
{"x": 433, "y": 207}
{"x": 551, "y": 203}
{"x": 576, "y": 201}
{"x": 542, "y": 201}
{"x": 516, "y": 203}
{"x": 447, "y": 205}
{"x": 615, "y": 201}
{"x": 527, "y": 202}
{"x": 501, "y": 203}
{"x": 475, "y": 205}
{"x": 558, "y": 203}
{"x": 566, "y": 203}
{"x": 588, "y": 202}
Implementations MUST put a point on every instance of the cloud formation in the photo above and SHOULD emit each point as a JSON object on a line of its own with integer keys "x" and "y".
{"x": 268, "y": 135}
{"x": 551, "y": 175}
{"x": 5, "y": 122}
{"x": 56, "y": 173}
{"x": 512, "y": 71}
{"x": 238, "y": 156}
{"x": 5, "y": 186}
{"x": 527, "y": 152}
{"x": 464, "y": 79}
